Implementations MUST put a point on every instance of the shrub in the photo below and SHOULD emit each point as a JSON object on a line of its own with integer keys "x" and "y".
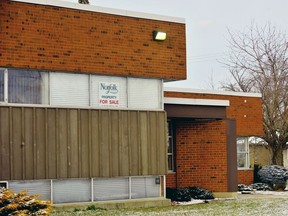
{"x": 22, "y": 204}
{"x": 188, "y": 193}
{"x": 91, "y": 208}
{"x": 200, "y": 193}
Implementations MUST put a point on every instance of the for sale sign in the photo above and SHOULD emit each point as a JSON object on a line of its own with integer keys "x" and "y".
{"x": 108, "y": 94}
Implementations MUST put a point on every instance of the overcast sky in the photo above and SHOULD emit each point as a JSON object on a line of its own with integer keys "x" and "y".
{"x": 207, "y": 22}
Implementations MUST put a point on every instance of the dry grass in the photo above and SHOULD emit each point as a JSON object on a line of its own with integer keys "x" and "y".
{"x": 260, "y": 206}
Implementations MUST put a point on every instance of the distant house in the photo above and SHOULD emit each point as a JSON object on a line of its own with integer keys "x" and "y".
{"x": 84, "y": 116}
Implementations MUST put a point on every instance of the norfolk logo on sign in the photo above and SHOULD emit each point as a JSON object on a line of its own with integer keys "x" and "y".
{"x": 108, "y": 94}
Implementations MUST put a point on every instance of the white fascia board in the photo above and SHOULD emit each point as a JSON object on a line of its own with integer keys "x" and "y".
{"x": 215, "y": 92}
{"x": 99, "y": 9}
{"x": 196, "y": 102}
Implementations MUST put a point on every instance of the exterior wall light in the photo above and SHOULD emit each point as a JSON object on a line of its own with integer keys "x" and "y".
{"x": 159, "y": 36}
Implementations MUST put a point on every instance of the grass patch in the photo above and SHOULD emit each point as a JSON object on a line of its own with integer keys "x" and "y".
{"x": 263, "y": 206}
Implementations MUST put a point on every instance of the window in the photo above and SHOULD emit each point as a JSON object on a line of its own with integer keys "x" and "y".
{"x": 79, "y": 90}
{"x": 243, "y": 152}
{"x": 171, "y": 155}
{"x": 1, "y": 85}
{"x": 144, "y": 93}
{"x": 69, "y": 89}
{"x": 27, "y": 87}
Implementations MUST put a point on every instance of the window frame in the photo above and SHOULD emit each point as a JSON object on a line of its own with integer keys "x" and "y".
{"x": 246, "y": 153}
{"x": 171, "y": 142}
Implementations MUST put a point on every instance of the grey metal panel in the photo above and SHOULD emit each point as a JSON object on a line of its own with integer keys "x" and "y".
{"x": 84, "y": 147}
{"x": 73, "y": 140}
{"x": 28, "y": 142}
{"x": 133, "y": 125}
{"x": 95, "y": 147}
{"x": 62, "y": 143}
{"x": 16, "y": 143}
{"x": 34, "y": 187}
{"x": 124, "y": 144}
{"x": 49, "y": 143}
{"x": 40, "y": 143}
{"x": 52, "y": 141}
{"x": 144, "y": 187}
{"x": 111, "y": 189}
{"x": 5, "y": 154}
{"x": 72, "y": 190}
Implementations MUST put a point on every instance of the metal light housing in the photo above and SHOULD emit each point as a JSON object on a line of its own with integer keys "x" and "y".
{"x": 159, "y": 35}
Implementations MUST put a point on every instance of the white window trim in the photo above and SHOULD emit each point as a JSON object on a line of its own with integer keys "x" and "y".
{"x": 173, "y": 152}
{"x": 247, "y": 155}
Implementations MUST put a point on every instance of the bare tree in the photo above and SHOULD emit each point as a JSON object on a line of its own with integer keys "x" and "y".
{"x": 258, "y": 62}
{"x": 83, "y": 1}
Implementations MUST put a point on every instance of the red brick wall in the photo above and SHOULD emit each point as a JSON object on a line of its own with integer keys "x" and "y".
{"x": 61, "y": 39}
{"x": 171, "y": 180}
{"x": 245, "y": 177}
{"x": 201, "y": 155}
{"x": 246, "y": 110}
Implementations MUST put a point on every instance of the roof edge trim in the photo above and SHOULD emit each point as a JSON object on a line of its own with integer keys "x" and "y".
{"x": 197, "y": 102}
{"x": 215, "y": 92}
{"x": 99, "y": 9}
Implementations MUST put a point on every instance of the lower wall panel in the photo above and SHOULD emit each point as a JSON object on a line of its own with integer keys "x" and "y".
{"x": 90, "y": 190}
{"x": 59, "y": 143}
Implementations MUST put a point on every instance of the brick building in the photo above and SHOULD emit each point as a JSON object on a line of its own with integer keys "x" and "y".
{"x": 82, "y": 106}
{"x": 204, "y": 127}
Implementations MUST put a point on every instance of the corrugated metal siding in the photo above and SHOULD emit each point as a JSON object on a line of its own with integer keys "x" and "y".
{"x": 49, "y": 143}
{"x": 144, "y": 188}
{"x": 73, "y": 190}
{"x": 111, "y": 189}
{"x": 41, "y": 188}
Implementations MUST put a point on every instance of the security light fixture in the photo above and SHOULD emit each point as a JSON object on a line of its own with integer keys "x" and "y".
{"x": 159, "y": 36}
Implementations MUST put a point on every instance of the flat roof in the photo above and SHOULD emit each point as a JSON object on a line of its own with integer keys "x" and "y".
{"x": 94, "y": 8}
{"x": 215, "y": 92}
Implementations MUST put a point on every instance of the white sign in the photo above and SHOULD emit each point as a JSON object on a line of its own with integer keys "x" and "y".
{"x": 108, "y": 94}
